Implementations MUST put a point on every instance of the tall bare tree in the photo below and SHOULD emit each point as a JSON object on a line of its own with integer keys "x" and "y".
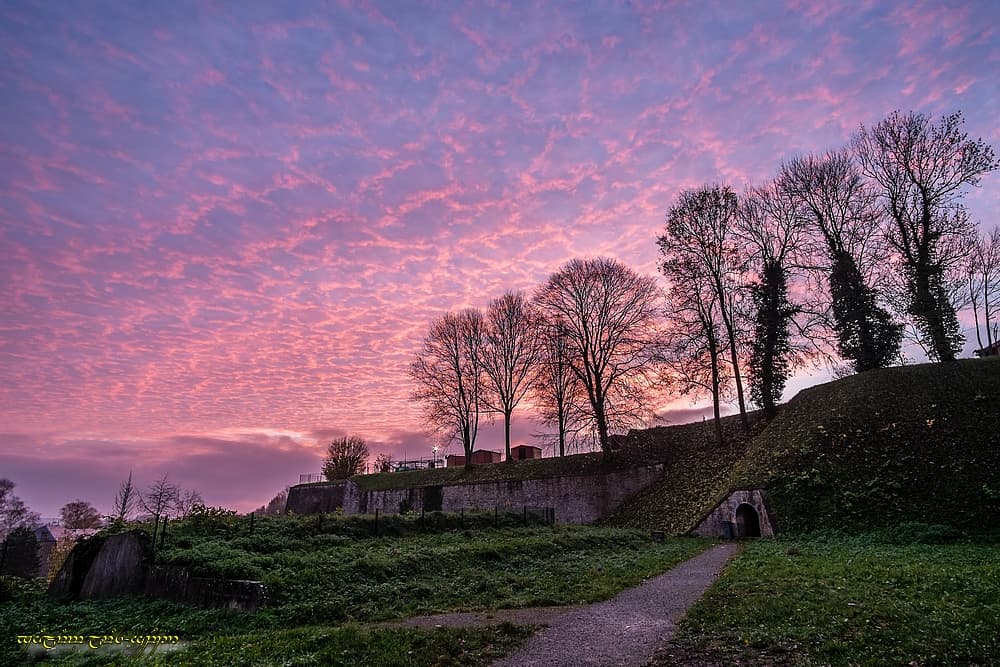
{"x": 556, "y": 389}
{"x": 693, "y": 340}
{"x": 125, "y": 501}
{"x": 449, "y": 377}
{"x": 187, "y": 501}
{"x": 700, "y": 232}
{"x": 850, "y": 250}
{"x": 160, "y": 498}
{"x": 983, "y": 273}
{"x": 509, "y": 352}
{"x": 921, "y": 169}
{"x": 611, "y": 316}
{"x": 771, "y": 226}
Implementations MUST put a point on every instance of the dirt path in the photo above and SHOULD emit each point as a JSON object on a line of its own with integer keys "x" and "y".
{"x": 627, "y": 629}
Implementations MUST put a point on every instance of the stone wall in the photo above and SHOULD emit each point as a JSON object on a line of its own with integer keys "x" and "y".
{"x": 119, "y": 565}
{"x": 722, "y": 520}
{"x": 576, "y": 499}
{"x": 119, "y": 569}
{"x": 316, "y": 498}
{"x": 177, "y": 584}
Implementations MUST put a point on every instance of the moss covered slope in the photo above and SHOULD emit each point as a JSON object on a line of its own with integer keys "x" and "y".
{"x": 913, "y": 443}
{"x": 696, "y": 474}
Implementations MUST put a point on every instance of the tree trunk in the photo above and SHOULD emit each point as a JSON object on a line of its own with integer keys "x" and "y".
{"x": 506, "y": 432}
{"x": 929, "y": 311}
{"x": 562, "y": 434}
{"x": 744, "y": 421}
{"x": 731, "y": 332}
{"x": 713, "y": 350}
{"x": 975, "y": 312}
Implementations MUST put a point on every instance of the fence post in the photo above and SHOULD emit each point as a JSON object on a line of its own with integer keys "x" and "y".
{"x": 496, "y": 516}
{"x": 251, "y": 522}
{"x": 525, "y": 515}
{"x": 376, "y": 522}
{"x": 156, "y": 524}
{"x": 462, "y": 520}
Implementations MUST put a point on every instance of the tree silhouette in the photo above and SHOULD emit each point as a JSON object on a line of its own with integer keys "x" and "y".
{"x": 921, "y": 169}
{"x": 449, "y": 377}
{"x": 611, "y": 317}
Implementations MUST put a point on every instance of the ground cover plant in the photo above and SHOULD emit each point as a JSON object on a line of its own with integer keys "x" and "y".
{"x": 849, "y": 600}
{"x": 331, "y": 571}
{"x": 911, "y": 443}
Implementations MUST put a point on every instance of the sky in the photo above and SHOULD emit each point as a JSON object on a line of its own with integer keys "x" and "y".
{"x": 226, "y": 227}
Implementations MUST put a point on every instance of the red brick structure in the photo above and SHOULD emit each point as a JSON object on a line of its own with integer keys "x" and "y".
{"x": 479, "y": 457}
{"x": 524, "y": 452}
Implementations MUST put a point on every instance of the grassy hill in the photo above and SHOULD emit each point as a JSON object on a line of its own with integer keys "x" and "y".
{"x": 907, "y": 444}
{"x": 912, "y": 443}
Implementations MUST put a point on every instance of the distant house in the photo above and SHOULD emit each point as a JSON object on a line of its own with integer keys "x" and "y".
{"x": 47, "y": 537}
{"x": 479, "y": 457}
{"x": 524, "y": 452}
{"x": 990, "y": 350}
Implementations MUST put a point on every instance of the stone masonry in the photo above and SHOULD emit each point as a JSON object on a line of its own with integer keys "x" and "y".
{"x": 576, "y": 499}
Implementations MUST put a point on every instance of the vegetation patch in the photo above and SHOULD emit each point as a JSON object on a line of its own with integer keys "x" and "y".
{"x": 330, "y": 571}
{"x": 347, "y": 645}
{"x": 912, "y": 443}
{"x": 839, "y": 600}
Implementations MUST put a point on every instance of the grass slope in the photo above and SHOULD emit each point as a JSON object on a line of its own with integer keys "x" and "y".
{"x": 912, "y": 443}
{"x": 696, "y": 473}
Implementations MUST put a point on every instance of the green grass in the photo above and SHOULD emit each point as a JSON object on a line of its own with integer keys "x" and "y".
{"x": 333, "y": 572}
{"x": 345, "y": 645}
{"x": 848, "y": 601}
{"x": 914, "y": 443}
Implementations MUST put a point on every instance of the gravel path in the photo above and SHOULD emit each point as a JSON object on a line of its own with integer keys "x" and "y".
{"x": 627, "y": 629}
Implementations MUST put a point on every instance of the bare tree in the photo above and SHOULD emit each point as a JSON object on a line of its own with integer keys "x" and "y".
{"x": 13, "y": 512}
{"x": 125, "y": 501}
{"x": 921, "y": 169}
{"x": 700, "y": 232}
{"x": 838, "y": 203}
{"x": 556, "y": 389}
{"x": 79, "y": 514}
{"x": 693, "y": 340}
{"x": 449, "y": 377}
{"x": 611, "y": 316}
{"x": 509, "y": 353}
{"x": 983, "y": 274}
{"x": 160, "y": 498}
{"x": 345, "y": 457}
{"x": 187, "y": 500}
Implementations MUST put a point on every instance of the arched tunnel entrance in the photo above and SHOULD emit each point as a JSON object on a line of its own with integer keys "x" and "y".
{"x": 747, "y": 523}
